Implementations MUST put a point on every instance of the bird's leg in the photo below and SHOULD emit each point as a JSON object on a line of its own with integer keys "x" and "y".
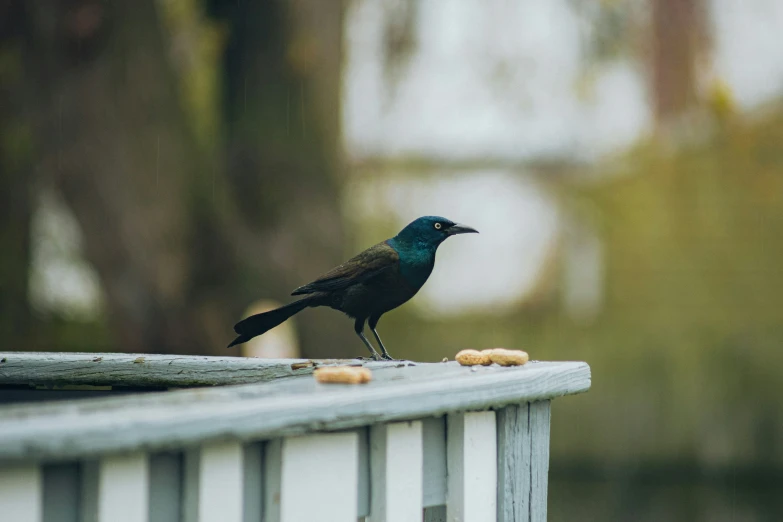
{"x": 375, "y": 355}
{"x": 359, "y": 328}
{"x": 372, "y": 324}
{"x": 384, "y": 354}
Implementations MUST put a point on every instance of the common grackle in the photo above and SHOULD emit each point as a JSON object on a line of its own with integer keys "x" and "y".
{"x": 367, "y": 286}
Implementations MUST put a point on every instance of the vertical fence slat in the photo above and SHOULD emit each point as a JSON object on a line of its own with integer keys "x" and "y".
{"x": 472, "y": 467}
{"x": 434, "y": 472}
{"x": 165, "y": 487}
{"x": 61, "y": 491}
{"x": 523, "y": 462}
{"x": 21, "y": 493}
{"x": 190, "y": 486}
{"x": 123, "y": 488}
{"x": 319, "y": 478}
{"x": 253, "y": 482}
{"x": 273, "y": 455}
{"x": 434, "y": 440}
{"x": 363, "y": 502}
{"x": 435, "y": 514}
{"x": 396, "y": 462}
{"x": 221, "y": 477}
{"x": 539, "y": 459}
{"x": 514, "y": 463}
{"x": 89, "y": 491}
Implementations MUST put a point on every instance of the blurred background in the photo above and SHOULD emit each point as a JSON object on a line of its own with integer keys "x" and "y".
{"x": 168, "y": 166}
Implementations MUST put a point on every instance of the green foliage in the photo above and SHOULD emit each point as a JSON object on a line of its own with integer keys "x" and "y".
{"x": 690, "y": 336}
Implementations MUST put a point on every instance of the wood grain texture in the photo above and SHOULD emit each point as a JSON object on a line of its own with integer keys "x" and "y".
{"x": 514, "y": 463}
{"x": 161, "y": 421}
{"x": 146, "y": 370}
{"x": 523, "y": 462}
{"x": 540, "y": 413}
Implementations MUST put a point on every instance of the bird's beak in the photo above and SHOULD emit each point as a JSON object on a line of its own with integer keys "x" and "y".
{"x": 461, "y": 229}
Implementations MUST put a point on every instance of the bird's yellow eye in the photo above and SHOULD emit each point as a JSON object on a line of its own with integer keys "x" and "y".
{"x": 438, "y": 226}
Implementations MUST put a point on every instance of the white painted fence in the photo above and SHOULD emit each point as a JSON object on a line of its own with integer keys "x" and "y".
{"x": 431, "y": 442}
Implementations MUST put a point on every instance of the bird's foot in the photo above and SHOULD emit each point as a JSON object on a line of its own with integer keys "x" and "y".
{"x": 387, "y": 357}
{"x": 373, "y": 358}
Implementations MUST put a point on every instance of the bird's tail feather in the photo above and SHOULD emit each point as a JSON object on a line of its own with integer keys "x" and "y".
{"x": 260, "y": 323}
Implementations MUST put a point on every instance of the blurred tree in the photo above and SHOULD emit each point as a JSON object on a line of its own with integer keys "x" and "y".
{"x": 183, "y": 242}
{"x": 281, "y": 103}
{"x": 111, "y": 137}
{"x": 679, "y": 32}
{"x": 15, "y": 171}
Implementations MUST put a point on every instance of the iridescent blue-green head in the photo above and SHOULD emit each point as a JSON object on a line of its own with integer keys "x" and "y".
{"x": 417, "y": 243}
{"x": 431, "y": 231}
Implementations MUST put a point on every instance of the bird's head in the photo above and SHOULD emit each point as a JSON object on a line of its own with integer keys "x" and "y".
{"x": 432, "y": 230}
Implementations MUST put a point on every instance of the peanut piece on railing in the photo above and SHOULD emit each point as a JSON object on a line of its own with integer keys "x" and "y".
{"x": 505, "y": 357}
{"x": 343, "y": 375}
{"x": 473, "y": 358}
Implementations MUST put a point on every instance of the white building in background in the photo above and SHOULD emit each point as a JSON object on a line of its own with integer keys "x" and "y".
{"x": 479, "y": 90}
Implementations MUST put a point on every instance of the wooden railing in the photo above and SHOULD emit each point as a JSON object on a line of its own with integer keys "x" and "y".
{"x": 421, "y": 441}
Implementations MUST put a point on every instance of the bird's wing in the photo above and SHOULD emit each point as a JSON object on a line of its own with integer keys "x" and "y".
{"x": 358, "y": 269}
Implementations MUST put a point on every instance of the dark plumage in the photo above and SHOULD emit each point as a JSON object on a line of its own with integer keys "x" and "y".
{"x": 367, "y": 286}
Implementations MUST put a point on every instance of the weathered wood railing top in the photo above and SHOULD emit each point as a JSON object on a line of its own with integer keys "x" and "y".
{"x": 416, "y": 441}
{"x": 43, "y": 369}
{"x": 156, "y": 421}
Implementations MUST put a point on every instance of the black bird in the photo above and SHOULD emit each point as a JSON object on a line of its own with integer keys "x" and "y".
{"x": 367, "y": 286}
